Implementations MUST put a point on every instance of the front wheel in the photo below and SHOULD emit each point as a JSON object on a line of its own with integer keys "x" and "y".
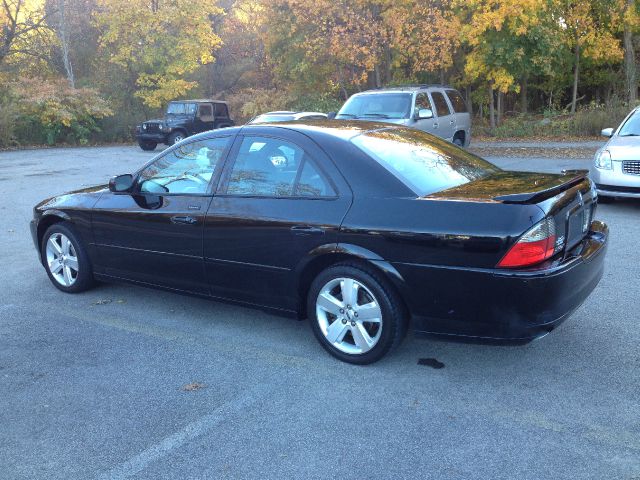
{"x": 355, "y": 315}
{"x": 147, "y": 146}
{"x": 65, "y": 259}
{"x": 175, "y": 137}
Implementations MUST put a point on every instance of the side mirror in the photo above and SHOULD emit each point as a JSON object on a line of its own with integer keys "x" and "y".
{"x": 331, "y": 115}
{"x": 121, "y": 183}
{"x": 423, "y": 113}
{"x": 606, "y": 132}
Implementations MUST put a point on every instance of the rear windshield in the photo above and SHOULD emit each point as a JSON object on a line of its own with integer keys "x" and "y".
{"x": 379, "y": 105}
{"x": 422, "y": 162}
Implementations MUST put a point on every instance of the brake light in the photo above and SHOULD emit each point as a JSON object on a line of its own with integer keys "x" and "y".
{"x": 535, "y": 246}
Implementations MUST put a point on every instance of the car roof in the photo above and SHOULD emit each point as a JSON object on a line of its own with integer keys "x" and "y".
{"x": 287, "y": 112}
{"x": 340, "y": 129}
{"x": 404, "y": 88}
{"x": 198, "y": 100}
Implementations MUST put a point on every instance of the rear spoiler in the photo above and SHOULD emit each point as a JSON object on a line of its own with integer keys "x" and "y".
{"x": 574, "y": 178}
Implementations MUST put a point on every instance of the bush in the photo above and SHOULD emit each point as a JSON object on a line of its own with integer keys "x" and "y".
{"x": 50, "y": 111}
{"x": 587, "y": 121}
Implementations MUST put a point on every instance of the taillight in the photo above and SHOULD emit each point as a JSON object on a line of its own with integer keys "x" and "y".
{"x": 535, "y": 246}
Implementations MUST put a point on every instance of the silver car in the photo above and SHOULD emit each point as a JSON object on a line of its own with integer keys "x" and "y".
{"x": 616, "y": 167}
{"x": 286, "y": 116}
{"x": 435, "y": 109}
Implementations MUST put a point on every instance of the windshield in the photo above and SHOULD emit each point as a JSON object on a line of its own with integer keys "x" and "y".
{"x": 422, "y": 162}
{"x": 631, "y": 127}
{"x": 378, "y": 105}
{"x": 272, "y": 118}
{"x": 179, "y": 108}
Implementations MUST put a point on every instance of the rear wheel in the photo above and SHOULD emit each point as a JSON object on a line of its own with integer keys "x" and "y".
{"x": 459, "y": 141}
{"x": 65, "y": 259}
{"x": 147, "y": 146}
{"x": 354, "y": 313}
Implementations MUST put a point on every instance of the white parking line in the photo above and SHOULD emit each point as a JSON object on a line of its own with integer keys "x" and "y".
{"x": 193, "y": 430}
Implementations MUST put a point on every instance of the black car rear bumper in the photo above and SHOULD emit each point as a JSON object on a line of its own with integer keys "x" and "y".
{"x": 504, "y": 305}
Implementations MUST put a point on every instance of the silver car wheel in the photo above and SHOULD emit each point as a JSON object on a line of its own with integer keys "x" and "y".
{"x": 62, "y": 259}
{"x": 177, "y": 138}
{"x": 349, "y": 316}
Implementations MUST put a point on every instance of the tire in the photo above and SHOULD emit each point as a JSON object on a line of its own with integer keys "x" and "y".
{"x": 65, "y": 279}
{"x": 147, "y": 146}
{"x": 458, "y": 141}
{"x": 176, "y": 137}
{"x": 384, "y": 334}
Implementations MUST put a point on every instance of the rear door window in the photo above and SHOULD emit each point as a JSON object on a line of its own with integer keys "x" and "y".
{"x": 442, "y": 109}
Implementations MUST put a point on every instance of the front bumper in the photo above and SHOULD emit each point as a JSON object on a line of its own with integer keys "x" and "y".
{"x": 151, "y": 137}
{"x": 615, "y": 182}
{"x": 504, "y": 305}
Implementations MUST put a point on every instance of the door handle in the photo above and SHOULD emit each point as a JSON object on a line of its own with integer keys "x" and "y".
{"x": 184, "y": 220}
{"x": 451, "y": 122}
{"x": 307, "y": 230}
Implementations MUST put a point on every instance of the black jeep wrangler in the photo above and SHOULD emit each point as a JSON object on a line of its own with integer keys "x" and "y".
{"x": 183, "y": 118}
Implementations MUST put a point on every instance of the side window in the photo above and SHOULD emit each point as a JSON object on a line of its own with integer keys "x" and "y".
{"x": 311, "y": 183}
{"x": 191, "y": 109}
{"x": 205, "y": 112}
{"x": 273, "y": 167}
{"x": 441, "y": 104}
{"x": 422, "y": 101}
{"x": 187, "y": 169}
{"x": 459, "y": 105}
{"x": 221, "y": 110}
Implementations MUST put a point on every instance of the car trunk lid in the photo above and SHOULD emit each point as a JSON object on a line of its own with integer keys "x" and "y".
{"x": 569, "y": 198}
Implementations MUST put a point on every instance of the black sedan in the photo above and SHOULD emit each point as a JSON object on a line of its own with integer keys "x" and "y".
{"x": 367, "y": 229}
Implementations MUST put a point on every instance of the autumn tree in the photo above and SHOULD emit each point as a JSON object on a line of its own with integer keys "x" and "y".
{"x": 158, "y": 42}
{"x": 22, "y": 25}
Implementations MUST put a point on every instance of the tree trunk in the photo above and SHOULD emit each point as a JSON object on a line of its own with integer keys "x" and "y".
{"x": 576, "y": 75}
{"x": 63, "y": 35}
{"x": 524, "y": 87}
{"x": 492, "y": 110}
{"x": 467, "y": 93}
{"x": 500, "y": 107}
{"x": 630, "y": 60}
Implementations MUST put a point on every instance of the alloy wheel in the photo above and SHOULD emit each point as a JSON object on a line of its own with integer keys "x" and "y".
{"x": 62, "y": 259}
{"x": 349, "y": 316}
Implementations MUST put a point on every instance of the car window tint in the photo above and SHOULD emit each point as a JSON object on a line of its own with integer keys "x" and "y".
{"x": 422, "y": 101}
{"x": 269, "y": 167}
{"x": 186, "y": 169}
{"x": 311, "y": 183}
{"x": 441, "y": 104}
{"x": 459, "y": 105}
{"x": 221, "y": 110}
{"x": 191, "y": 108}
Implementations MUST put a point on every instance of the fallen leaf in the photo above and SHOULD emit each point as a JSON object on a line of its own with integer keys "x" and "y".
{"x": 104, "y": 301}
{"x": 192, "y": 387}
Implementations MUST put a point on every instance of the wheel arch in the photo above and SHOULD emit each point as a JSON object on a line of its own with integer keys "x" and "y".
{"x": 325, "y": 256}
{"x": 50, "y": 217}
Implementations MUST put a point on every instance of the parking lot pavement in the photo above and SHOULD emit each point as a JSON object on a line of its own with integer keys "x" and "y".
{"x": 126, "y": 382}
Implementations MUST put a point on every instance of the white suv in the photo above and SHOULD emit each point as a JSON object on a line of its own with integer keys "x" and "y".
{"x": 435, "y": 109}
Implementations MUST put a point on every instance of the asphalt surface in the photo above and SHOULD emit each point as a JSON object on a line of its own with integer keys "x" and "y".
{"x": 126, "y": 382}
